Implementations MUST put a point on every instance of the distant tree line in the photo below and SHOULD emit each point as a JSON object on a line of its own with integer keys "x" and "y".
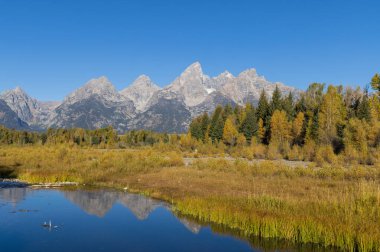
{"x": 106, "y": 137}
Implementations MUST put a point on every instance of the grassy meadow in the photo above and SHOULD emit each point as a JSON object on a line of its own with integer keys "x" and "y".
{"x": 328, "y": 205}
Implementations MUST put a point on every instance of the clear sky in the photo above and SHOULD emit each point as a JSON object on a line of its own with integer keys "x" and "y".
{"x": 50, "y": 47}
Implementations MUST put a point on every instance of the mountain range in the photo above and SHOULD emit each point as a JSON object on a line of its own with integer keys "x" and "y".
{"x": 141, "y": 105}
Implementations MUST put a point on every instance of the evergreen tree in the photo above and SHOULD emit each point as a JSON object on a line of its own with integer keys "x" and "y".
{"x": 288, "y": 106}
{"x": 227, "y": 111}
{"x": 276, "y": 102}
{"x": 216, "y": 125}
{"x": 375, "y": 83}
{"x": 249, "y": 125}
{"x": 262, "y": 110}
{"x": 196, "y": 129}
{"x": 300, "y": 105}
{"x": 205, "y": 121}
{"x": 363, "y": 110}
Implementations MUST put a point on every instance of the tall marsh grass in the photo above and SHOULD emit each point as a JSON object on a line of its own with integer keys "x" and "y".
{"x": 328, "y": 205}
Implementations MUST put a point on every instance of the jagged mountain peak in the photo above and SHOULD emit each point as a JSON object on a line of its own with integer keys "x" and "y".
{"x": 17, "y": 91}
{"x": 143, "y": 81}
{"x": 226, "y": 74}
{"x": 196, "y": 66}
{"x": 250, "y": 73}
{"x": 143, "y": 77}
{"x": 101, "y": 87}
{"x": 191, "y": 85}
{"x": 26, "y": 107}
{"x": 140, "y": 91}
{"x": 99, "y": 83}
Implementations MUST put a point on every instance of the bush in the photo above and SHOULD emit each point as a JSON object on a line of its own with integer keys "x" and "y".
{"x": 325, "y": 154}
{"x": 258, "y": 150}
{"x": 308, "y": 151}
{"x": 295, "y": 154}
{"x": 273, "y": 152}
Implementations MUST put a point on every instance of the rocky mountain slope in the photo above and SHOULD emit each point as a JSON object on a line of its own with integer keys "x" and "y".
{"x": 141, "y": 105}
{"x": 28, "y": 109}
{"x": 10, "y": 119}
{"x": 95, "y": 105}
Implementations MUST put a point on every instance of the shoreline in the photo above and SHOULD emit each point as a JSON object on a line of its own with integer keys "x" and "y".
{"x": 328, "y": 206}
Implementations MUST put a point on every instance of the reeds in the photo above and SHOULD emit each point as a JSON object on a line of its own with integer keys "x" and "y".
{"x": 329, "y": 205}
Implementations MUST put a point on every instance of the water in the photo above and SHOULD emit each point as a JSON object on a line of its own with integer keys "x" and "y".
{"x": 104, "y": 220}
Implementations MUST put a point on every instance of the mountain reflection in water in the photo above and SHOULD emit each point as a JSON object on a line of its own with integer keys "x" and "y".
{"x": 97, "y": 220}
{"x": 99, "y": 202}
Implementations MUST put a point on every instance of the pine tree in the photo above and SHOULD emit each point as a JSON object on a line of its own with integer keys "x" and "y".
{"x": 301, "y": 105}
{"x": 312, "y": 128}
{"x": 276, "y": 102}
{"x": 262, "y": 110}
{"x": 363, "y": 110}
{"x": 196, "y": 128}
{"x": 375, "y": 83}
{"x": 216, "y": 125}
{"x": 288, "y": 106}
{"x": 227, "y": 111}
{"x": 249, "y": 125}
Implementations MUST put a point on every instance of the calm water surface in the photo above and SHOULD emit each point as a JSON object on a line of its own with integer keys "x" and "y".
{"x": 101, "y": 220}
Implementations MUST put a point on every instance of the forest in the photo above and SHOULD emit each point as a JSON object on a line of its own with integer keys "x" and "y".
{"x": 333, "y": 124}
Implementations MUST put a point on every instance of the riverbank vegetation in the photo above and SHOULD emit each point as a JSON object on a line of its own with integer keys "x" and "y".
{"x": 229, "y": 169}
{"x": 329, "y": 205}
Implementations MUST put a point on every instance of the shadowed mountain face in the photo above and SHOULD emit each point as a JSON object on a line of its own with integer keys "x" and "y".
{"x": 166, "y": 115}
{"x": 10, "y": 119}
{"x": 142, "y": 105}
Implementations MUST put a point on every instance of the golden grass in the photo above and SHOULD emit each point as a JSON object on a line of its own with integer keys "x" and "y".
{"x": 331, "y": 206}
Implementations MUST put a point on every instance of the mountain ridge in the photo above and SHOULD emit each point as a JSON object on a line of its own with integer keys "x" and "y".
{"x": 142, "y": 104}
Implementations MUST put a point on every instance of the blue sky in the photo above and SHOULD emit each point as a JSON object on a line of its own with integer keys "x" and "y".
{"x": 49, "y": 48}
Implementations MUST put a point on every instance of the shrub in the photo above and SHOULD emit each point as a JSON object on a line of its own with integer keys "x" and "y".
{"x": 325, "y": 154}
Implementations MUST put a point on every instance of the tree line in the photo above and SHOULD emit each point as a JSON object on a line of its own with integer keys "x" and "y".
{"x": 325, "y": 121}
{"x": 102, "y": 138}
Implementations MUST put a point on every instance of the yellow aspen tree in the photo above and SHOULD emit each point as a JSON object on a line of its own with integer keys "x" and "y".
{"x": 331, "y": 114}
{"x": 261, "y": 130}
{"x": 297, "y": 126}
{"x": 280, "y": 128}
{"x": 230, "y": 133}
